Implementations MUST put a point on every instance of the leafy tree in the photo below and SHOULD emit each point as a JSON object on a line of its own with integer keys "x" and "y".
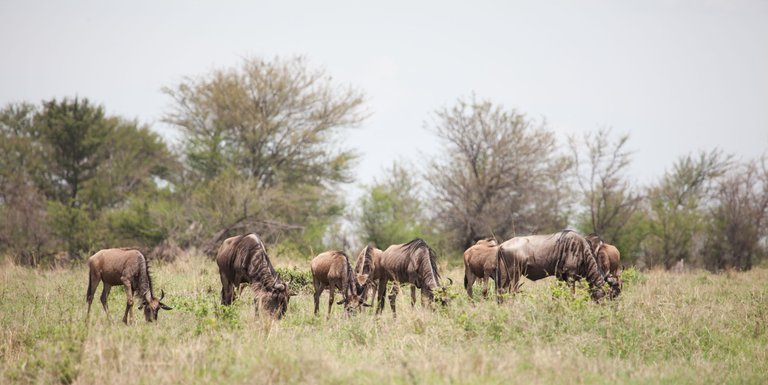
{"x": 63, "y": 164}
{"x": 135, "y": 159}
{"x": 274, "y": 121}
{"x": 391, "y": 210}
{"x": 73, "y": 132}
{"x": 500, "y": 174}
{"x": 738, "y": 215}
{"x": 23, "y": 216}
{"x": 607, "y": 195}
{"x": 270, "y": 130}
{"x": 677, "y": 205}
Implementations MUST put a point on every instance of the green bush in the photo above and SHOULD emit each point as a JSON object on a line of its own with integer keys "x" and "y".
{"x": 300, "y": 280}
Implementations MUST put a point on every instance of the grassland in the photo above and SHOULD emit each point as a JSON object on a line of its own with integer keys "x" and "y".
{"x": 695, "y": 328}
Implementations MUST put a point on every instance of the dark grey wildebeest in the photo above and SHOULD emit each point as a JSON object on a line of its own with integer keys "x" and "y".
{"x": 243, "y": 259}
{"x": 566, "y": 255}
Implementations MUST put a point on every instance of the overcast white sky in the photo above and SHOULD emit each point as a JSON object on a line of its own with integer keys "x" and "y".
{"x": 678, "y": 76}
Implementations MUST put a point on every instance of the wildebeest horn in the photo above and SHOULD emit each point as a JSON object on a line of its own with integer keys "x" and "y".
{"x": 162, "y": 295}
{"x": 450, "y": 281}
{"x": 279, "y": 286}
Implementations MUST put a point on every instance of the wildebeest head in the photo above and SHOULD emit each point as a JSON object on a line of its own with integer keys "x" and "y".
{"x": 275, "y": 298}
{"x": 595, "y": 242}
{"x": 153, "y": 306}
{"x": 355, "y": 300}
{"x": 441, "y": 294}
{"x": 615, "y": 284}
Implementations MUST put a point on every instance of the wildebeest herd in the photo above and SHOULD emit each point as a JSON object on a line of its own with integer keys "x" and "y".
{"x": 243, "y": 259}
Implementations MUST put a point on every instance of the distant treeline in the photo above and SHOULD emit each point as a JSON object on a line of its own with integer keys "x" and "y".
{"x": 261, "y": 149}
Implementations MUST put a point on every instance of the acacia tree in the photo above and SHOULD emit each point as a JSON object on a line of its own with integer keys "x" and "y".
{"x": 607, "y": 194}
{"x": 738, "y": 217}
{"x": 677, "y": 205}
{"x": 272, "y": 128}
{"x": 500, "y": 174}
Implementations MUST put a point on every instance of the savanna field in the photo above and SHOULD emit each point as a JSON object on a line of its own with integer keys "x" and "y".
{"x": 694, "y": 327}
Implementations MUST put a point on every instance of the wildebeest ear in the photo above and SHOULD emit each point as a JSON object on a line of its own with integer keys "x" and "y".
{"x": 367, "y": 304}
{"x": 165, "y": 307}
{"x": 340, "y": 302}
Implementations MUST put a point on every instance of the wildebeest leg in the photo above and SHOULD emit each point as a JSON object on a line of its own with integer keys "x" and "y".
{"x": 413, "y": 296}
{"x": 382, "y": 290}
{"x": 485, "y": 285}
{"x": 93, "y": 283}
{"x": 128, "y": 303}
{"x": 393, "y": 297}
{"x": 516, "y": 274}
{"x": 425, "y": 297}
{"x": 331, "y": 294}
{"x": 104, "y": 295}
{"x": 318, "y": 291}
{"x": 469, "y": 281}
{"x": 227, "y": 290}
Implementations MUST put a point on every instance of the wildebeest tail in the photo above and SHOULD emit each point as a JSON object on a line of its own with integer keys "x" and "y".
{"x": 90, "y": 287}
{"x": 500, "y": 261}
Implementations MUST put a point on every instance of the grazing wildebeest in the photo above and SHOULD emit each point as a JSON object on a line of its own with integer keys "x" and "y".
{"x": 480, "y": 262}
{"x": 566, "y": 255}
{"x": 332, "y": 270}
{"x": 412, "y": 262}
{"x": 365, "y": 269}
{"x": 127, "y": 267}
{"x": 244, "y": 259}
{"x": 608, "y": 256}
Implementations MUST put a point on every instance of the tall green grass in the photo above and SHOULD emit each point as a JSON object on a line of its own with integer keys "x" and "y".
{"x": 693, "y": 328}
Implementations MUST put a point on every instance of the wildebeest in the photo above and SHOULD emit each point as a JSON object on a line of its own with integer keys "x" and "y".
{"x": 244, "y": 259}
{"x": 480, "y": 262}
{"x": 566, "y": 255}
{"x": 412, "y": 262}
{"x": 608, "y": 256}
{"x": 127, "y": 267}
{"x": 332, "y": 270}
{"x": 365, "y": 269}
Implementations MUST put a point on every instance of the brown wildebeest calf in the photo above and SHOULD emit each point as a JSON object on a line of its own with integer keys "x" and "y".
{"x": 608, "y": 256}
{"x": 127, "y": 267}
{"x": 332, "y": 270}
{"x": 480, "y": 262}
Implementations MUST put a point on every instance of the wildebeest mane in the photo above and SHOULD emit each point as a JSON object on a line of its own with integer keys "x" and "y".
{"x": 142, "y": 282}
{"x": 411, "y": 248}
{"x": 149, "y": 276}
{"x": 364, "y": 263}
{"x": 571, "y": 243}
{"x": 250, "y": 252}
{"x": 350, "y": 273}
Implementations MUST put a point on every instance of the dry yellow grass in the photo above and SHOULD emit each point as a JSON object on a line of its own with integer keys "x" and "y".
{"x": 665, "y": 328}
